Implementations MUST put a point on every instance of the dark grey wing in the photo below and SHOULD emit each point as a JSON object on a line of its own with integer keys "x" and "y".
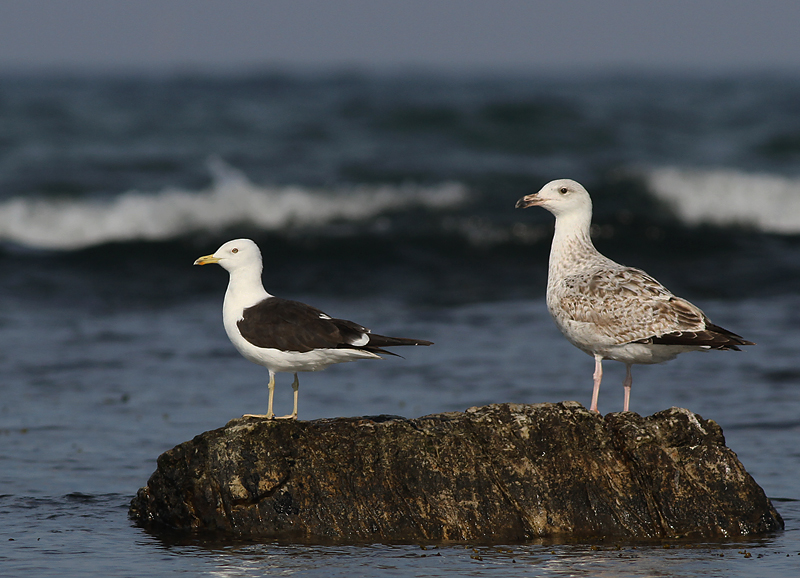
{"x": 293, "y": 326}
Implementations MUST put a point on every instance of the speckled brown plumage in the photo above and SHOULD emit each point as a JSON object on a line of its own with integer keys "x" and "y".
{"x": 611, "y": 311}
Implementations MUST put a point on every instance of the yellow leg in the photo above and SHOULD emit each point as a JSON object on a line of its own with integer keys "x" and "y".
{"x": 295, "y": 387}
{"x": 271, "y": 386}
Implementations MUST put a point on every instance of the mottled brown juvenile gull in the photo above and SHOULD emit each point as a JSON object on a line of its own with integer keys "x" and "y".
{"x": 608, "y": 310}
{"x": 284, "y": 335}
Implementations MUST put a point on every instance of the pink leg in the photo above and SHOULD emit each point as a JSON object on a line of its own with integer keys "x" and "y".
{"x": 627, "y": 385}
{"x": 598, "y": 376}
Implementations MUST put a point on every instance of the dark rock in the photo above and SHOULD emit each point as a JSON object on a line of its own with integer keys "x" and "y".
{"x": 495, "y": 473}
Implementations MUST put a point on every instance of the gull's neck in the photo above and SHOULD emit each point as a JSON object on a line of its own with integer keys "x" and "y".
{"x": 572, "y": 249}
{"x": 245, "y": 289}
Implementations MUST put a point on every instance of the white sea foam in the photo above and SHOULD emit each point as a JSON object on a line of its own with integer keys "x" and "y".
{"x": 726, "y": 197}
{"x": 231, "y": 200}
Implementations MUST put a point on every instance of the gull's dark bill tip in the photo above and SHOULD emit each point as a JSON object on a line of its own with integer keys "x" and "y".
{"x": 525, "y": 202}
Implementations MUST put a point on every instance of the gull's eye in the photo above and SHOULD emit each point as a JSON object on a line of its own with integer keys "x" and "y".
{"x": 563, "y": 190}
{"x": 234, "y": 250}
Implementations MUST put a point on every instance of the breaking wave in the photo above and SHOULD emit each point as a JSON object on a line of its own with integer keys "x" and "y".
{"x": 232, "y": 199}
{"x": 726, "y": 197}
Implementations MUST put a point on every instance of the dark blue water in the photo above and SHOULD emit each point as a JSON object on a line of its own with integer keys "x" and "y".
{"x": 389, "y": 201}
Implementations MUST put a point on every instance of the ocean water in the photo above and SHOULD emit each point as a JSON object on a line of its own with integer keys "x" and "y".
{"x": 388, "y": 200}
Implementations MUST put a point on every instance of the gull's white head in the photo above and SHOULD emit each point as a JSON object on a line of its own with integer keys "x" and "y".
{"x": 236, "y": 254}
{"x": 560, "y": 197}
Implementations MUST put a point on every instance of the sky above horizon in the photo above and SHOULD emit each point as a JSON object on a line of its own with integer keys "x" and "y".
{"x": 165, "y": 35}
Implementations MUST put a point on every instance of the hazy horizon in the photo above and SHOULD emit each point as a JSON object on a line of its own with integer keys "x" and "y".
{"x": 174, "y": 36}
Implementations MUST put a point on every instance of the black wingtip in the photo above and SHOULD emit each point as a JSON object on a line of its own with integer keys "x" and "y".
{"x": 384, "y": 341}
{"x": 712, "y": 337}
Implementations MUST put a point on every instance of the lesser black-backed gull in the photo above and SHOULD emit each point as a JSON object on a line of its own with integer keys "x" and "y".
{"x": 284, "y": 335}
{"x": 608, "y": 310}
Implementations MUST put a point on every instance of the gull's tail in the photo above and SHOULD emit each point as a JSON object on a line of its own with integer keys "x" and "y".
{"x": 378, "y": 342}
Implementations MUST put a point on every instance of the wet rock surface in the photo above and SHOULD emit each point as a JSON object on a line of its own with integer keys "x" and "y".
{"x": 497, "y": 473}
